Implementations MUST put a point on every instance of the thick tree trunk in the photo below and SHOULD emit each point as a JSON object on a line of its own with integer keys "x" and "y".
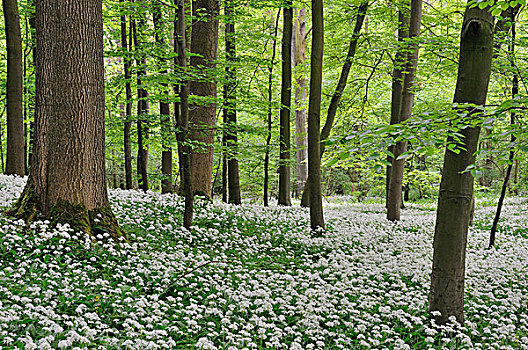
{"x": 314, "y": 118}
{"x": 456, "y": 188}
{"x": 128, "y": 108}
{"x": 395, "y": 187}
{"x": 284, "y": 126}
{"x": 204, "y": 45}
{"x": 166, "y": 153}
{"x": 16, "y": 158}
{"x": 182, "y": 117}
{"x": 397, "y": 81}
{"x": 336, "y": 97}
{"x": 230, "y": 108}
{"x": 68, "y": 177}
{"x": 270, "y": 110}
{"x": 298, "y": 59}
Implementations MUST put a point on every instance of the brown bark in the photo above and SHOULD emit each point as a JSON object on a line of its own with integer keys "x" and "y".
{"x": 407, "y": 98}
{"x": 68, "y": 177}
{"x": 456, "y": 187}
{"x": 284, "y": 125}
{"x": 204, "y": 45}
{"x": 128, "y": 108}
{"x": 16, "y": 159}
{"x": 230, "y": 108}
{"x": 298, "y": 59}
{"x": 314, "y": 118}
{"x": 336, "y": 97}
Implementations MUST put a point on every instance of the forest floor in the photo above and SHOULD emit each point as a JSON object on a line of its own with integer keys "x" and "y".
{"x": 254, "y": 278}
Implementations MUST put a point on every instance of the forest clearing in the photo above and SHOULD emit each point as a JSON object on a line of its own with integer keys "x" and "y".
{"x": 249, "y": 277}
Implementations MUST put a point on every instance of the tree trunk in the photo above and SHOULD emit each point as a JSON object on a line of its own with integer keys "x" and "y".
{"x": 182, "y": 120}
{"x": 166, "y": 153}
{"x": 397, "y": 81}
{"x": 128, "y": 108}
{"x": 511, "y": 156}
{"x": 336, "y": 97}
{"x": 230, "y": 107}
{"x": 298, "y": 59}
{"x": 204, "y": 45}
{"x": 270, "y": 111}
{"x": 284, "y": 138}
{"x": 16, "y": 159}
{"x": 456, "y": 188}
{"x": 314, "y": 118}
{"x": 407, "y": 97}
{"x": 68, "y": 177}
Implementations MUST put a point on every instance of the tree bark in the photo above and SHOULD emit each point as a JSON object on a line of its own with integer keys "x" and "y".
{"x": 336, "y": 97}
{"x": 16, "y": 159}
{"x": 182, "y": 118}
{"x": 128, "y": 108}
{"x": 407, "y": 98}
{"x": 298, "y": 59}
{"x": 204, "y": 45}
{"x": 284, "y": 126}
{"x": 230, "y": 108}
{"x": 314, "y": 118}
{"x": 68, "y": 178}
{"x": 456, "y": 187}
{"x": 397, "y": 81}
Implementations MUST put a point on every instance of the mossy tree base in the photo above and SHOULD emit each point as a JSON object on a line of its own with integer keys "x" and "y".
{"x": 92, "y": 222}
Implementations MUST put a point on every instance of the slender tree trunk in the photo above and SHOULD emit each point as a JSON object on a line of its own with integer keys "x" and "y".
{"x": 511, "y": 156}
{"x": 204, "y": 45}
{"x": 230, "y": 107}
{"x": 182, "y": 121}
{"x": 128, "y": 108}
{"x": 398, "y": 165}
{"x": 15, "y": 164}
{"x": 298, "y": 59}
{"x": 336, "y": 97}
{"x": 284, "y": 138}
{"x": 68, "y": 178}
{"x": 397, "y": 81}
{"x": 164, "y": 107}
{"x": 456, "y": 188}
{"x": 314, "y": 118}
{"x": 270, "y": 111}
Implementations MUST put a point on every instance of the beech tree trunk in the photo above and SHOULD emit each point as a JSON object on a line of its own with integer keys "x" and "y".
{"x": 397, "y": 81}
{"x": 456, "y": 187}
{"x": 336, "y": 97}
{"x": 407, "y": 98}
{"x": 127, "y": 148}
{"x": 298, "y": 59}
{"x": 68, "y": 178}
{"x": 233, "y": 175}
{"x": 16, "y": 159}
{"x": 204, "y": 45}
{"x": 284, "y": 126}
{"x": 314, "y": 118}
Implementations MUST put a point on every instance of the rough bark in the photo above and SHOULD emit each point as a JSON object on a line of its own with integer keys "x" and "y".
{"x": 128, "y": 107}
{"x": 336, "y": 97}
{"x": 407, "y": 98}
{"x": 397, "y": 81}
{"x": 284, "y": 125}
{"x": 456, "y": 187}
{"x": 182, "y": 117}
{"x": 16, "y": 159}
{"x": 68, "y": 178}
{"x": 298, "y": 59}
{"x": 233, "y": 176}
{"x": 314, "y": 118}
{"x": 204, "y": 45}
{"x": 164, "y": 107}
